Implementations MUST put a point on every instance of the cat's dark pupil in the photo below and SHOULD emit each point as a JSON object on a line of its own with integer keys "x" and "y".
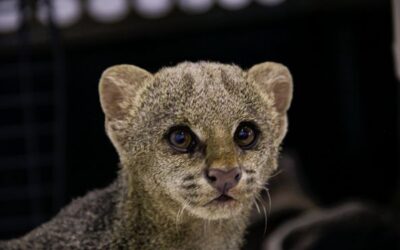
{"x": 243, "y": 134}
{"x": 180, "y": 137}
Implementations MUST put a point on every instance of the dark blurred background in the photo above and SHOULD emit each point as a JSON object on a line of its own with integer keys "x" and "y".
{"x": 343, "y": 119}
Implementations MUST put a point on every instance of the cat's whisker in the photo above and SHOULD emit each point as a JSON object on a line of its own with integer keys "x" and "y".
{"x": 265, "y": 218}
{"x": 257, "y": 207}
{"x": 264, "y": 188}
{"x": 177, "y": 219}
{"x": 280, "y": 171}
{"x": 258, "y": 198}
{"x": 180, "y": 213}
{"x": 269, "y": 198}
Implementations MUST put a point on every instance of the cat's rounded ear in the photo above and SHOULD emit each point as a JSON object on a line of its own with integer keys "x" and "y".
{"x": 276, "y": 80}
{"x": 118, "y": 86}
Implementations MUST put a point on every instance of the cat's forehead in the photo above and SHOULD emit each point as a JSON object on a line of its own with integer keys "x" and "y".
{"x": 203, "y": 82}
{"x": 204, "y": 94}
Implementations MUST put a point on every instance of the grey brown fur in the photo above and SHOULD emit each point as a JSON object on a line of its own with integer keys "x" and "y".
{"x": 159, "y": 200}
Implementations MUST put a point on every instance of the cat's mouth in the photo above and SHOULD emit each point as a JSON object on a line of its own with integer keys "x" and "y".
{"x": 221, "y": 200}
{"x": 224, "y": 198}
{"x": 220, "y": 206}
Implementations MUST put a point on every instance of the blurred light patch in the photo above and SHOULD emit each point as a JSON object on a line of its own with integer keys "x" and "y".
{"x": 153, "y": 8}
{"x": 195, "y": 6}
{"x": 108, "y": 11}
{"x": 270, "y": 2}
{"x": 233, "y": 4}
{"x": 9, "y": 16}
{"x": 65, "y": 12}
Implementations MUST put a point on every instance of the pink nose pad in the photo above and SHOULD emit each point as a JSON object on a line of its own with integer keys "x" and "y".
{"x": 222, "y": 180}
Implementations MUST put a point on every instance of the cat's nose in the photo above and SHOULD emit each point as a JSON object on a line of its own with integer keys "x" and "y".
{"x": 222, "y": 180}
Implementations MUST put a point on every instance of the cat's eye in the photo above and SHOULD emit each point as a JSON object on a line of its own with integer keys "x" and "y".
{"x": 246, "y": 135}
{"x": 181, "y": 139}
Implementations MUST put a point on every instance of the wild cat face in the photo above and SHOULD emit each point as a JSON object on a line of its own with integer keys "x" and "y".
{"x": 205, "y": 135}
